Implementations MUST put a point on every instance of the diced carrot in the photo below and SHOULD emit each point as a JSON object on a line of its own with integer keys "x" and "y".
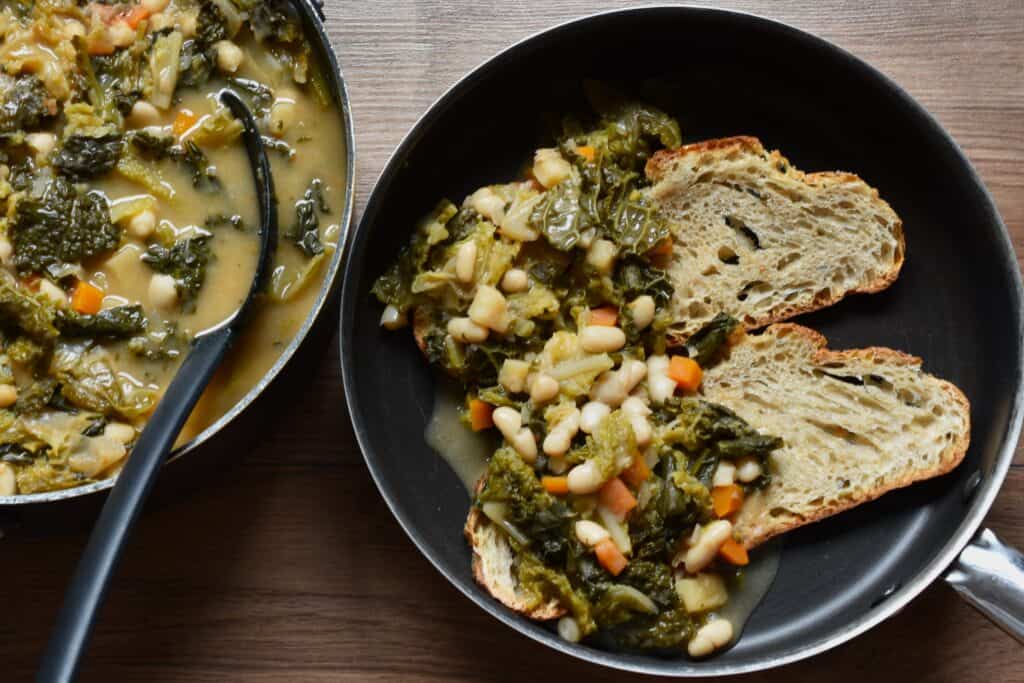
{"x": 480, "y": 415}
{"x": 184, "y": 122}
{"x": 734, "y": 553}
{"x": 87, "y": 299}
{"x": 556, "y": 486}
{"x": 662, "y": 248}
{"x": 726, "y": 499}
{"x": 637, "y": 473}
{"x": 686, "y": 373}
{"x": 616, "y": 497}
{"x": 135, "y": 16}
{"x": 610, "y": 557}
{"x": 606, "y": 316}
{"x": 31, "y": 283}
{"x": 587, "y": 152}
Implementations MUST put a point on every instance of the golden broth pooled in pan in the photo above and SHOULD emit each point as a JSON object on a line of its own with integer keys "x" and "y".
{"x": 129, "y": 221}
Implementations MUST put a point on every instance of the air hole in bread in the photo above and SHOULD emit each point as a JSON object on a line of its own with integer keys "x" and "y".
{"x": 744, "y": 235}
{"x": 787, "y": 260}
{"x": 727, "y": 256}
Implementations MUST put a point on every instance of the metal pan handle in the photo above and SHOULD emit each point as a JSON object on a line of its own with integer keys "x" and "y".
{"x": 990, "y": 575}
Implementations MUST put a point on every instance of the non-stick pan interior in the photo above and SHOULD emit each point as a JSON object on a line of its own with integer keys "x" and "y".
{"x": 956, "y": 303}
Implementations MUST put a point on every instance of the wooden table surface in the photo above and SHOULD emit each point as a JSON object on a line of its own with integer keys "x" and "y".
{"x": 271, "y": 557}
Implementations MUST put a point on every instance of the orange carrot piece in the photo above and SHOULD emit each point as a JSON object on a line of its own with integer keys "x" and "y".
{"x": 87, "y": 299}
{"x": 734, "y": 553}
{"x": 726, "y": 499}
{"x": 616, "y": 497}
{"x": 556, "y": 486}
{"x": 480, "y": 415}
{"x": 637, "y": 473}
{"x": 605, "y": 316}
{"x": 587, "y": 152}
{"x": 686, "y": 373}
{"x": 135, "y": 16}
{"x": 184, "y": 122}
{"x": 662, "y": 248}
{"x": 610, "y": 557}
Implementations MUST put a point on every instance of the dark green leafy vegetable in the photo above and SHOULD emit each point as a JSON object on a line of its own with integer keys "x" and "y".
{"x": 186, "y": 262}
{"x": 96, "y": 426}
{"x": 223, "y": 221}
{"x": 306, "y": 231}
{"x": 536, "y": 513}
{"x": 163, "y": 345}
{"x": 705, "y": 346}
{"x": 124, "y": 75}
{"x": 81, "y": 157}
{"x": 24, "y": 104}
{"x": 111, "y": 323}
{"x": 61, "y": 226}
{"x": 25, "y": 314}
{"x": 204, "y": 176}
{"x": 17, "y": 454}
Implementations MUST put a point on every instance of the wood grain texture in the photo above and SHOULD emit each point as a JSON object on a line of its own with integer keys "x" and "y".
{"x": 284, "y": 564}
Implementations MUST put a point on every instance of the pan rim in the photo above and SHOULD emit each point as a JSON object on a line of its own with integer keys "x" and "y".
{"x": 313, "y": 12}
{"x": 946, "y": 555}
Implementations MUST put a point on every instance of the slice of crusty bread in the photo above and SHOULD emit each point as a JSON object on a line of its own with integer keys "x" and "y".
{"x": 760, "y": 240}
{"x": 855, "y": 424}
{"x": 494, "y": 569}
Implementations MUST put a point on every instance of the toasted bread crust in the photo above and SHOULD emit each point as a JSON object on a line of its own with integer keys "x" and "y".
{"x": 662, "y": 163}
{"x": 768, "y": 527}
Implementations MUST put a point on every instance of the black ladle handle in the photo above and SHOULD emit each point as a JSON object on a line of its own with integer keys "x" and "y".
{"x": 96, "y": 566}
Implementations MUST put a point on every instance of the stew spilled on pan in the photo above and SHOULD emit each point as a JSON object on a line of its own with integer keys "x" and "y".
{"x": 128, "y": 221}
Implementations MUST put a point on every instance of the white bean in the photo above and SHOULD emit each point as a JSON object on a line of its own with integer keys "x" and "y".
{"x": 489, "y": 309}
{"x": 660, "y": 386}
{"x": 6, "y": 250}
{"x": 569, "y": 630}
{"x": 155, "y": 6}
{"x": 466, "y": 331}
{"x": 642, "y": 309}
{"x": 229, "y": 56}
{"x": 120, "y": 34}
{"x": 513, "y": 375}
{"x": 592, "y": 414}
{"x": 601, "y": 255}
{"x": 710, "y": 637}
{"x": 488, "y": 204}
{"x": 635, "y": 406}
{"x": 163, "y": 291}
{"x": 41, "y": 143}
{"x": 748, "y": 469}
{"x": 143, "y": 115}
{"x": 549, "y": 168}
{"x": 8, "y": 395}
{"x": 507, "y": 420}
{"x": 282, "y": 116}
{"x": 142, "y": 225}
{"x": 8, "y": 482}
{"x": 465, "y": 262}
{"x": 393, "y": 319}
{"x": 560, "y": 437}
{"x": 590, "y": 533}
{"x": 120, "y": 432}
{"x": 544, "y": 388}
{"x": 602, "y": 339}
{"x": 641, "y": 430}
{"x": 525, "y": 444}
{"x": 710, "y": 540}
{"x": 725, "y": 474}
{"x": 515, "y": 280}
{"x": 585, "y": 478}
{"x": 587, "y": 238}
{"x": 613, "y": 387}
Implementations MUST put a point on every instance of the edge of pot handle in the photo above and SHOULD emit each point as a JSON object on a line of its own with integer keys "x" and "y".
{"x": 990, "y": 576}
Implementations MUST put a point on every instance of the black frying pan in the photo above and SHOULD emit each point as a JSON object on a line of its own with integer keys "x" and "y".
{"x": 957, "y": 303}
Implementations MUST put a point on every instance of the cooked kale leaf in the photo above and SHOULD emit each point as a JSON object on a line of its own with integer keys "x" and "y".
{"x": 186, "y": 262}
{"x": 61, "y": 226}
{"x": 705, "y": 346}
{"x": 112, "y": 323}
{"x": 24, "y": 105}
{"x": 306, "y": 231}
{"x": 81, "y": 157}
